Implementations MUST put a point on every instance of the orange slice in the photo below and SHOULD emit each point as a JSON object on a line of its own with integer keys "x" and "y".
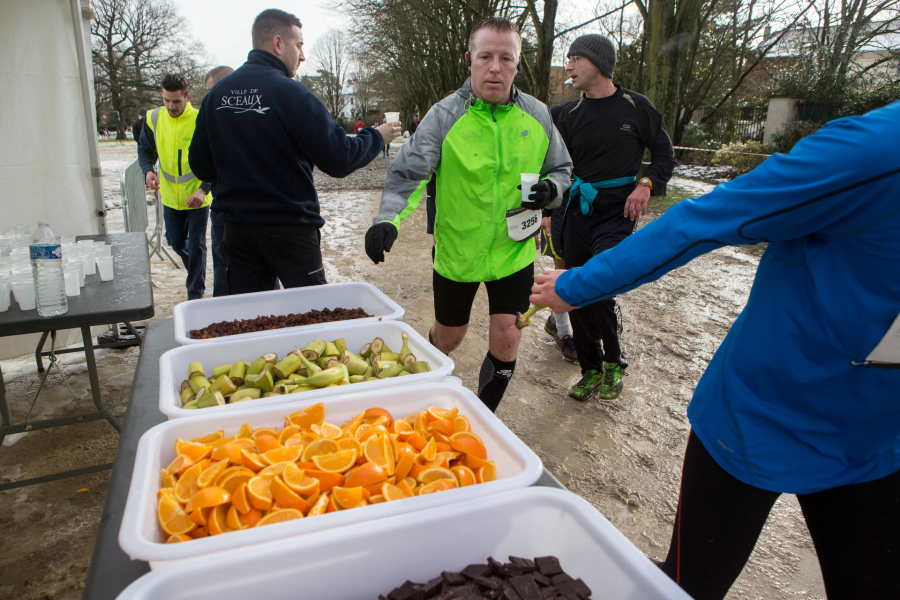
{"x": 281, "y": 454}
{"x": 417, "y": 441}
{"x": 273, "y": 470}
{"x": 429, "y": 451}
{"x": 295, "y": 441}
{"x": 245, "y": 431}
{"x": 211, "y": 473}
{"x": 376, "y": 499}
{"x": 217, "y": 520}
{"x": 320, "y": 506}
{"x": 464, "y": 475}
{"x": 327, "y": 430}
{"x": 442, "y": 426}
{"x": 471, "y": 446}
{"x": 240, "y": 500}
{"x": 233, "y": 519}
{"x": 179, "y": 465}
{"x": 404, "y": 486}
{"x": 186, "y": 486}
{"x": 460, "y": 423}
{"x": 254, "y": 462}
{"x": 192, "y": 450}
{"x": 210, "y": 496}
{"x": 392, "y": 492}
{"x": 181, "y": 537}
{"x": 339, "y": 462}
{"x": 257, "y": 433}
{"x": 306, "y": 418}
{"x": 379, "y": 451}
{"x": 375, "y": 412}
{"x": 288, "y": 432}
{"x": 201, "y": 515}
{"x": 436, "y": 414}
{"x": 251, "y": 518}
{"x": 280, "y": 516}
{"x": 327, "y": 481}
{"x": 486, "y": 473}
{"x": 402, "y": 429}
{"x": 349, "y": 428}
{"x": 286, "y": 497}
{"x": 435, "y": 473}
{"x": 407, "y": 456}
{"x": 200, "y": 532}
{"x": 364, "y": 434}
{"x": 230, "y": 481}
{"x": 172, "y": 518}
{"x": 349, "y": 443}
{"x": 367, "y": 474}
{"x": 299, "y": 482}
{"x": 168, "y": 481}
{"x": 475, "y": 463}
{"x": 259, "y": 491}
{"x": 421, "y": 425}
{"x": 436, "y": 486}
{"x": 230, "y": 452}
{"x": 348, "y": 497}
{"x": 319, "y": 447}
{"x": 266, "y": 442}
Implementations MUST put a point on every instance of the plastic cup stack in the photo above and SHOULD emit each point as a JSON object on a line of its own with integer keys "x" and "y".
{"x": 102, "y": 249}
{"x": 90, "y": 265}
{"x": 77, "y": 264}
{"x": 105, "y": 266}
{"x": 73, "y": 277}
{"x": 23, "y": 288}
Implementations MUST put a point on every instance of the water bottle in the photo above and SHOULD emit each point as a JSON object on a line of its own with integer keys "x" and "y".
{"x": 47, "y": 270}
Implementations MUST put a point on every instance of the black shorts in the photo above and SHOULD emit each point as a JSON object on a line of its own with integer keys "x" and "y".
{"x": 553, "y": 246}
{"x": 507, "y": 296}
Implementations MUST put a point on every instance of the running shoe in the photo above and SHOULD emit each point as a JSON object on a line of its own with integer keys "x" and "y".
{"x": 566, "y": 345}
{"x": 612, "y": 381}
{"x": 550, "y": 326}
{"x": 590, "y": 381}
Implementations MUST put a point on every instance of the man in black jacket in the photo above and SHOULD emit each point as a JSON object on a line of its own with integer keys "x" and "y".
{"x": 259, "y": 134}
{"x": 138, "y": 125}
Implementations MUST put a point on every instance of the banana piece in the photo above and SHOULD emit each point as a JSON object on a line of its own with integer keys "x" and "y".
{"x": 420, "y": 366}
{"x": 341, "y": 345}
{"x": 331, "y": 349}
{"x": 286, "y": 366}
{"x": 224, "y": 385}
{"x": 213, "y": 399}
{"x": 257, "y": 365}
{"x": 222, "y": 370}
{"x": 391, "y": 371}
{"x": 263, "y": 381}
{"x": 311, "y": 369}
{"x": 270, "y": 358}
{"x": 326, "y": 377}
{"x": 313, "y": 350}
{"x": 245, "y": 394}
{"x": 195, "y": 369}
{"x": 199, "y": 382}
{"x": 238, "y": 370}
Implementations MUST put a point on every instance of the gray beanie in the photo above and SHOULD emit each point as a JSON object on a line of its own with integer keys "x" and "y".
{"x": 142, "y": 112}
{"x": 597, "y": 49}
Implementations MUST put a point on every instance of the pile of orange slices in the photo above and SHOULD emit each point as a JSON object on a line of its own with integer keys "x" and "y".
{"x": 256, "y": 477}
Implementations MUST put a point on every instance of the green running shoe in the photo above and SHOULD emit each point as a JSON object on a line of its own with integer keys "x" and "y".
{"x": 612, "y": 381}
{"x": 590, "y": 381}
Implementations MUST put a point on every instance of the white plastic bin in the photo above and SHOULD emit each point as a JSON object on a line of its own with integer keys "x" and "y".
{"x": 173, "y": 364}
{"x": 361, "y": 562}
{"x": 141, "y": 537}
{"x": 198, "y": 314}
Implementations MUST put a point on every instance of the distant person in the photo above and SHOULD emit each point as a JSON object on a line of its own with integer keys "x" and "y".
{"x": 185, "y": 198}
{"x": 414, "y": 124}
{"x": 216, "y": 225}
{"x": 259, "y": 135}
{"x": 359, "y": 125}
{"x": 138, "y": 125}
{"x": 387, "y": 147}
{"x": 793, "y": 401}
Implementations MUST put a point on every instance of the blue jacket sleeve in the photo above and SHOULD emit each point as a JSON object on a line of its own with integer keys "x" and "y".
{"x": 817, "y": 189}
{"x": 200, "y": 154}
{"x": 147, "y": 149}
{"x": 326, "y": 145}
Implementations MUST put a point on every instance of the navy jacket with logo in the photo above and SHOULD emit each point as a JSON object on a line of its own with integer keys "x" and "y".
{"x": 258, "y": 136}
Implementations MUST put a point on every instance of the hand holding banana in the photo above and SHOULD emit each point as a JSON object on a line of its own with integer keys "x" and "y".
{"x": 544, "y": 291}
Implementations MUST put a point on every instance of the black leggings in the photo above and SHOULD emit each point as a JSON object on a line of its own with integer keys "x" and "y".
{"x": 855, "y": 529}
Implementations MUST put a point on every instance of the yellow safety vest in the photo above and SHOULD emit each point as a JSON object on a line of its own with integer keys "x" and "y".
{"x": 173, "y": 139}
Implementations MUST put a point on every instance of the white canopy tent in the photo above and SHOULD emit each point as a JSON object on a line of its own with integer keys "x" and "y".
{"x": 49, "y": 157}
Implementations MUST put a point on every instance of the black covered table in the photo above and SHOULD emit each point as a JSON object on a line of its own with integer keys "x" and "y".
{"x": 111, "y": 570}
{"x": 128, "y": 297}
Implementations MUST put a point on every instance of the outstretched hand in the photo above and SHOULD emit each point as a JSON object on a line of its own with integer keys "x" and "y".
{"x": 544, "y": 291}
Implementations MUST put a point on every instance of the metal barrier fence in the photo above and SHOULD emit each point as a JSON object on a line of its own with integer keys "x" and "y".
{"x": 134, "y": 198}
{"x": 741, "y": 124}
{"x": 816, "y": 112}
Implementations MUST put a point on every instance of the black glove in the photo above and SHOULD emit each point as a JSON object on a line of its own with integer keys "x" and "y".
{"x": 543, "y": 194}
{"x": 379, "y": 239}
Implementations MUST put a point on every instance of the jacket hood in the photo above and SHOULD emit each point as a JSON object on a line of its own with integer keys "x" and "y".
{"x": 467, "y": 94}
{"x": 261, "y": 57}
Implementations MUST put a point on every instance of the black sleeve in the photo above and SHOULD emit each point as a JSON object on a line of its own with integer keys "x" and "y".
{"x": 662, "y": 155}
{"x": 147, "y": 150}
{"x": 200, "y": 154}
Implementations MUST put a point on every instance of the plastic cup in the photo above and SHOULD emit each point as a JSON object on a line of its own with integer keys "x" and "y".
{"x": 77, "y": 263}
{"x": 72, "y": 275}
{"x": 105, "y": 266}
{"x": 528, "y": 180}
{"x": 392, "y": 117}
{"x": 67, "y": 239}
{"x": 102, "y": 250}
{"x": 4, "y": 296}
{"x": 90, "y": 266}
{"x": 24, "y": 292}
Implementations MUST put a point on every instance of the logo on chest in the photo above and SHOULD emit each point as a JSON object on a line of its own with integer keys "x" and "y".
{"x": 626, "y": 128}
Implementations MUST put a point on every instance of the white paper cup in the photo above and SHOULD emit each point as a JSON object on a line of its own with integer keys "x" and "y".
{"x": 392, "y": 117}
{"x": 103, "y": 250}
{"x": 72, "y": 287}
{"x": 24, "y": 292}
{"x": 105, "y": 266}
{"x": 4, "y": 296}
{"x": 90, "y": 266}
{"x": 528, "y": 180}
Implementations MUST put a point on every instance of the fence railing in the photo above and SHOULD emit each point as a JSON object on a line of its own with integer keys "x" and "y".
{"x": 816, "y": 112}
{"x": 740, "y": 124}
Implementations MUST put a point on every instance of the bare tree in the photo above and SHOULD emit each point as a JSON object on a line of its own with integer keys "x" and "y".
{"x": 134, "y": 43}
{"x": 331, "y": 59}
{"x": 364, "y": 80}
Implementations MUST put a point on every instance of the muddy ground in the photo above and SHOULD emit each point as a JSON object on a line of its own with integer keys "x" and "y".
{"x": 624, "y": 456}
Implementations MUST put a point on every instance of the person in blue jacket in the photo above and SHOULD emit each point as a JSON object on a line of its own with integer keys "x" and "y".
{"x": 258, "y": 136}
{"x": 790, "y": 403}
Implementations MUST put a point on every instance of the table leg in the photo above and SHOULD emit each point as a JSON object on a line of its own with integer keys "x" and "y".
{"x": 38, "y": 350}
{"x": 95, "y": 380}
{"x": 4, "y": 408}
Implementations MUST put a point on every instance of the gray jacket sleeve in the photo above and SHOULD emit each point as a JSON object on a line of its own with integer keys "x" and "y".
{"x": 557, "y": 165}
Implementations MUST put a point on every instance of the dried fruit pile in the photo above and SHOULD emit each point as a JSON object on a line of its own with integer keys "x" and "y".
{"x": 520, "y": 579}
{"x": 261, "y": 476}
{"x": 272, "y": 322}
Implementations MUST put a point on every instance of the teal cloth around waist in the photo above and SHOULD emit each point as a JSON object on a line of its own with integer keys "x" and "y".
{"x": 587, "y": 192}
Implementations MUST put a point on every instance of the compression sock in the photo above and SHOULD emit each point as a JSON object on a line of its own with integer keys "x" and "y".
{"x": 493, "y": 379}
{"x": 563, "y": 325}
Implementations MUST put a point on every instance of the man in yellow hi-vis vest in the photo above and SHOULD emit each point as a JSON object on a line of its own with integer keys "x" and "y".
{"x": 167, "y": 137}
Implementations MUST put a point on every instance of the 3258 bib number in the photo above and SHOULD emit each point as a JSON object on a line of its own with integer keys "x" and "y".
{"x": 529, "y": 222}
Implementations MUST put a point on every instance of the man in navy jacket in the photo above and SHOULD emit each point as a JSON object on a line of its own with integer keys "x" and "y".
{"x": 258, "y": 136}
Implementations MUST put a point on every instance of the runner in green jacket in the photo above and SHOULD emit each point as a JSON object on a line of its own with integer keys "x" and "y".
{"x": 479, "y": 141}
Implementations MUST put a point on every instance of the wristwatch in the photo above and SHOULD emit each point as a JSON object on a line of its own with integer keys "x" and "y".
{"x": 646, "y": 181}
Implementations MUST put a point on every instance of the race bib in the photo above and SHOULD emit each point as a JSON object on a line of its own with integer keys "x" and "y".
{"x": 522, "y": 223}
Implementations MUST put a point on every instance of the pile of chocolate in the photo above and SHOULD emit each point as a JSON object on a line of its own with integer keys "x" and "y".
{"x": 519, "y": 579}
{"x": 265, "y": 323}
